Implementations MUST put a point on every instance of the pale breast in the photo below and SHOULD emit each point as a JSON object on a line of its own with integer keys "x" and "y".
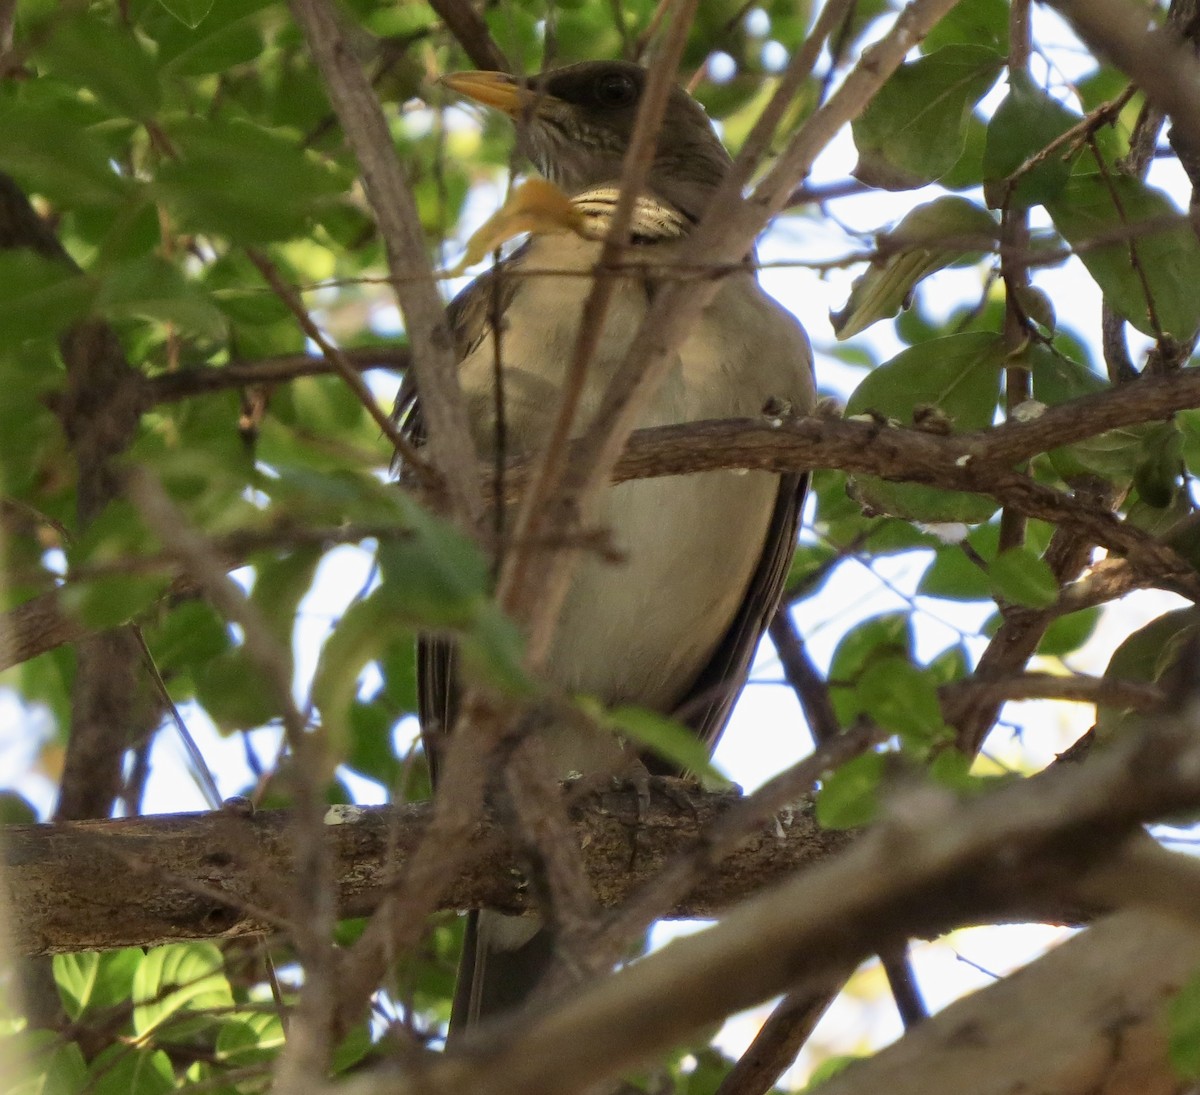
{"x": 640, "y": 631}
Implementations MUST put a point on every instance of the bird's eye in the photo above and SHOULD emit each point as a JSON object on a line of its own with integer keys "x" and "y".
{"x": 615, "y": 89}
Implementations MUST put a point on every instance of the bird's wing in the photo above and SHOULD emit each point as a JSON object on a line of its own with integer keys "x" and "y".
{"x": 468, "y": 316}
{"x": 708, "y": 703}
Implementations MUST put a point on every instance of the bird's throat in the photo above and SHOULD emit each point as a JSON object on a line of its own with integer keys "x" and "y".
{"x": 653, "y": 220}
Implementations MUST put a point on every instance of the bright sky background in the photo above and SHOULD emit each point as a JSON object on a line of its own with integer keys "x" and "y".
{"x": 767, "y": 732}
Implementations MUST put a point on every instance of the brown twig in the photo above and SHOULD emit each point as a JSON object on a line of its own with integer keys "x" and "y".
{"x": 206, "y": 379}
{"x": 414, "y": 463}
{"x": 451, "y": 449}
{"x": 468, "y": 27}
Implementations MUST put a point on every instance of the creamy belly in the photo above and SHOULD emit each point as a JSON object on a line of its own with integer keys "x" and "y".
{"x": 641, "y": 630}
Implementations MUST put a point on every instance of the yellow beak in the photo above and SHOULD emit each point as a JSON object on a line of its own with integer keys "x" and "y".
{"x": 494, "y": 89}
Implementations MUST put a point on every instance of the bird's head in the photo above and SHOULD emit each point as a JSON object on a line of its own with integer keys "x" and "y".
{"x": 575, "y": 124}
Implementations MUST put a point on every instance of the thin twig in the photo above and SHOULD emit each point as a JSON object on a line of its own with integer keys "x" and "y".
{"x": 451, "y": 448}
{"x": 414, "y": 462}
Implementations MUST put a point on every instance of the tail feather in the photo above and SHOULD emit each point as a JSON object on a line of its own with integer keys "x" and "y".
{"x": 503, "y": 960}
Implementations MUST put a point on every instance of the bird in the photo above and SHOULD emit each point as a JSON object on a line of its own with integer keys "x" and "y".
{"x": 674, "y": 625}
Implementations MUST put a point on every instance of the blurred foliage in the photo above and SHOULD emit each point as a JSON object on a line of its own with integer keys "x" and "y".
{"x": 163, "y": 138}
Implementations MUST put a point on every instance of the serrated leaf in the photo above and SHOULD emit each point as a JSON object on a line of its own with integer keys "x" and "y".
{"x": 913, "y": 250}
{"x": 1025, "y": 123}
{"x": 958, "y": 377}
{"x": 849, "y": 797}
{"x": 1092, "y": 207}
{"x": 913, "y": 131}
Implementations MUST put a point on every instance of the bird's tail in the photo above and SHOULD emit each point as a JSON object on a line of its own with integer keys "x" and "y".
{"x": 503, "y": 959}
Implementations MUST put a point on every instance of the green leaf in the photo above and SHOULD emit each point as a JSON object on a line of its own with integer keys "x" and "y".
{"x": 39, "y": 297}
{"x": 191, "y": 13}
{"x": 1148, "y": 654}
{"x": 669, "y": 739}
{"x": 130, "y": 1070}
{"x": 928, "y": 239}
{"x": 955, "y": 576}
{"x": 233, "y": 691}
{"x": 56, "y": 1066}
{"x": 365, "y": 629}
{"x": 1068, "y": 633}
{"x": 151, "y": 288}
{"x": 174, "y": 982}
{"x": 106, "y": 59}
{"x": 971, "y": 22}
{"x": 91, "y": 982}
{"x": 280, "y": 583}
{"x": 849, "y": 797}
{"x": 1156, "y": 271}
{"x": 250, "y": 1038}
{"x": 877, "y": 637}
{"x": 1021, "y": 577}
{"x": 230, "y": 35}
{"x": 35, "y": 135}
{"x": 270, "y": 188}
{"x": 1157, "y": 474}
{"x": 903, "y": 699}
{"x": 957, "y": 378}
{"x": 437, "y": 577}
{"x": 914, "y": 130}
{"x": 1183, "y": 1023}
{"x": 1025, "y": 123}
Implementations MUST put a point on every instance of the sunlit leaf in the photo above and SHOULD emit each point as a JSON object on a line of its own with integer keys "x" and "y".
{"x": 1149, "y": 270}
{"x": 914, "y": 129}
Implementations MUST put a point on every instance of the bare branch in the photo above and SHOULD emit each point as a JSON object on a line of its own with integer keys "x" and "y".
{"x": 1087, "y": 1018}
{"x": 451, "y": 448}
{"x": 150, "y": 880}
{"x": 171, "y": 387}
{"x": 467, "y": 25}
{"x": 1035, "y": 837}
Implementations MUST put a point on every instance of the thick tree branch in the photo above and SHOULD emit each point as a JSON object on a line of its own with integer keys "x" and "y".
{"x": 1154, "y": 57}
{"x": 151, "y": 880}
{"x": 975, "y": 461}
{"x": 934, "y": 864}
{"x": 1086, "y": 1019}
